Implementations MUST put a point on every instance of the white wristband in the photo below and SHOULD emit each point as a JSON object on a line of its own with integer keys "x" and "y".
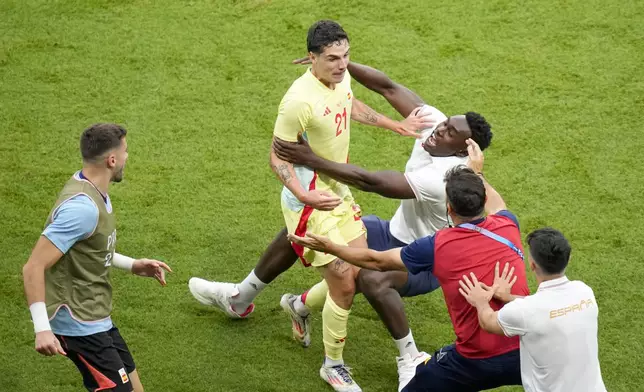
{"x": 39, "y": 316}
{"x": 122, "y": 262}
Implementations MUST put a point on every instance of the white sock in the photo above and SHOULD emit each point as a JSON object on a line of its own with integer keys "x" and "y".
{"x": 300, "y": 307}
{"x": 328, "y": 362}
{"x": 249, "y": 288}
{"x": 407, "y": 345}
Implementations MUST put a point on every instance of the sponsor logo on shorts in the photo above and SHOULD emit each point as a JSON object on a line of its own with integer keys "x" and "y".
{"x": 440, "y": 355}
{"x": 124, "y": 376}
{"x": 357, "y": 212}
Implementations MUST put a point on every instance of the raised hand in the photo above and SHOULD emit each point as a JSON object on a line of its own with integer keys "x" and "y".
{"x": 475, "y": 156}
{"x": 415, "y": 123}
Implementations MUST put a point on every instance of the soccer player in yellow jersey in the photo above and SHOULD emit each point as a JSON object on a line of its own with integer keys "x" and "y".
{"x": 319, "y": 105}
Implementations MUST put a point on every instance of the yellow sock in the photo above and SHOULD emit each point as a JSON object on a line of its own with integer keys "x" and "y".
{"x": 334, "y": 328}
{"x": 314, "y": 298}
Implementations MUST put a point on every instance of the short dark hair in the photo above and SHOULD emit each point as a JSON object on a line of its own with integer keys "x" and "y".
{"x": 100, "y": 138}
{"x": 481, "y": 129}
{"x": 465, "y": 191}
{"x": 324, "y": 33}
{"x": 549, "y": 249}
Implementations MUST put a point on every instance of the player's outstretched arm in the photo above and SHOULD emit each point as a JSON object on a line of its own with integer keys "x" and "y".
{"x": 400, "y": 97}
{"x": 388, "y": 260}
{"x": 390, "y": 184}
{"x": 493, "y": 202}
{"x": 408, "y": 127}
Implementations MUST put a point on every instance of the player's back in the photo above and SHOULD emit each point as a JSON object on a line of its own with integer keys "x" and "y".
{"x": 460, "y": 251}
{"x": 560, "y": 344}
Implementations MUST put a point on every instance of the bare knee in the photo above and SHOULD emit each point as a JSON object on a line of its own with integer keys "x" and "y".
{"x": 375, "y": 284}
{"x": 372, "y": 283}
{"x": 340, "y": 277}
{"x": 345, "y": 287}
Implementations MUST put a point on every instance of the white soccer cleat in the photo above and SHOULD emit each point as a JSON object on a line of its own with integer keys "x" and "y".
{"x": 219, "y": 295}
{"x": 407, "y": 368}
{"x": 299, "y": 324}
{"x": 339, "y": 377}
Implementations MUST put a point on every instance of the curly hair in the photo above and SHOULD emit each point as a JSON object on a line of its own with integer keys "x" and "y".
{"x": 481, "y": 129}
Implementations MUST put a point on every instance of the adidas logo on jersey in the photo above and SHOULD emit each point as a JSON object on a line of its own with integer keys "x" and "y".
{"x": 327, "y": 111}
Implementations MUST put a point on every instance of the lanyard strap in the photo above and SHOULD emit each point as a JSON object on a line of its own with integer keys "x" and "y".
{"x": 494, "y": 236}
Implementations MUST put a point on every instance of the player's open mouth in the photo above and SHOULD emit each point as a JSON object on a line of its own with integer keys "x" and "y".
{"x": 430, "y": 141}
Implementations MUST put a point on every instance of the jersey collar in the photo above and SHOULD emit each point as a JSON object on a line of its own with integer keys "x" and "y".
{"x": 553, "y": 283}
{"x": 475, "y": 221}
{"x": 83, "y": 178}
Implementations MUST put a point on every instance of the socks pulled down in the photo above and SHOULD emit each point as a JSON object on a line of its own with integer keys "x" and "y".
{"x": 249, "y": 288}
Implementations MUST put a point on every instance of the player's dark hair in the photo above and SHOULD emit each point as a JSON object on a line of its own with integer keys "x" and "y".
{"x": 481, "y": 129}
{"x": 324, "y": 33}
{"x": 465, "y": 191}
{"x": 100, "y": 138}
{"x": 549, "y": 249}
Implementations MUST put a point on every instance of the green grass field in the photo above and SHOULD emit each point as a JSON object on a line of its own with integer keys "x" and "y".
{"x": 197, "y": 84}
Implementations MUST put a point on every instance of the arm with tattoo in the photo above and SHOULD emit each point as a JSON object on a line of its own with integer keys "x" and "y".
{"x": 366, "y": 115}
{"x": 286, "y": 174}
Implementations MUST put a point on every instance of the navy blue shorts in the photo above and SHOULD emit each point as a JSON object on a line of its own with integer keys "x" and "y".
{"x": 379, "y": 238}
{"x": 448, "y": 370}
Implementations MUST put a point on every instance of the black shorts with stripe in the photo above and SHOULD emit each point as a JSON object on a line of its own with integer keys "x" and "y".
{"x": 102, "y": 358}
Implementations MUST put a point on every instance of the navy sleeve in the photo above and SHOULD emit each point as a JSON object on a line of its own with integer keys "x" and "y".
{"x": 510, "y": 215}
{"x": 419, "y": 255}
